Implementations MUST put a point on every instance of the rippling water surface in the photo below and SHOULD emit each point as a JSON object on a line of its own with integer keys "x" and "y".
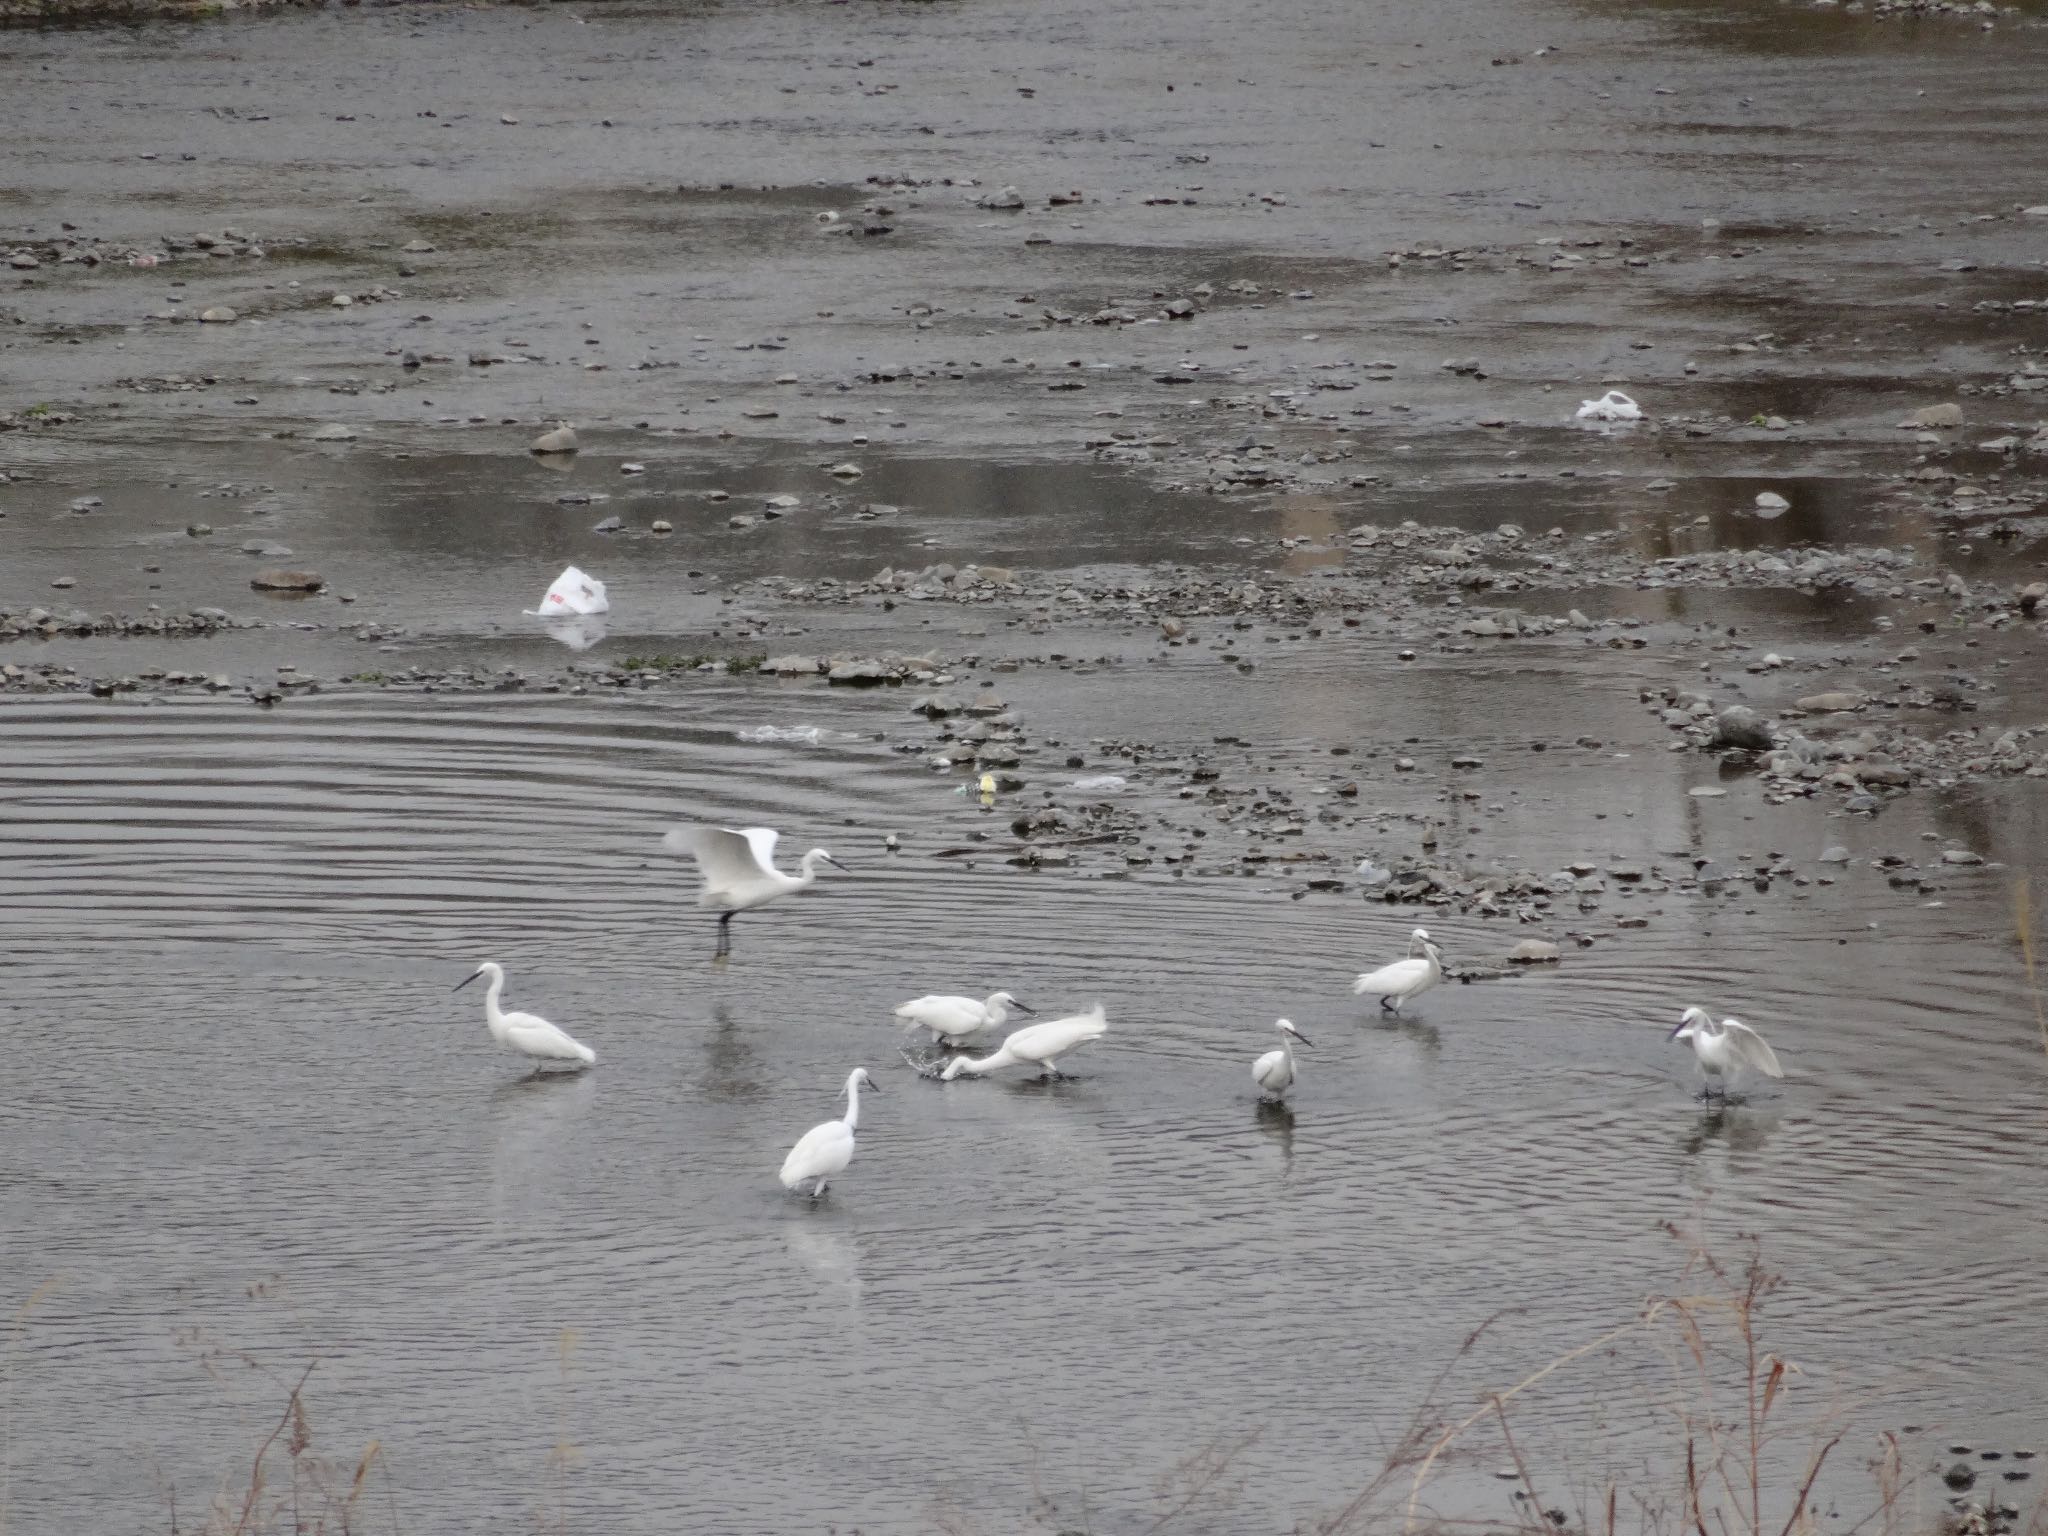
{"x": 236, "y": 1064}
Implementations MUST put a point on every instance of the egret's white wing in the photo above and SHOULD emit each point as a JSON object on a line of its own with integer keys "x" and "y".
{"x": 533, "y": 1035}
{"x": 1055, "y": 1037}
{"x": 1270, "y": 1070}
{"x": 1748, "y": 1047}
{"x": 1389, "y": 979}
{"x": 761, "y": 841}
{"x": 821, "y": 1151}
{"x": 948, "y": 1015}
{"x": 726, "y": 858}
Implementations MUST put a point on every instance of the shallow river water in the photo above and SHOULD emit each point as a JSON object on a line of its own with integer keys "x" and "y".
{"x": 237, "y": 1063}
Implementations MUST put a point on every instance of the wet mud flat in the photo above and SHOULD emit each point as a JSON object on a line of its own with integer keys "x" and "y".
{"x": 1147, "y": 533}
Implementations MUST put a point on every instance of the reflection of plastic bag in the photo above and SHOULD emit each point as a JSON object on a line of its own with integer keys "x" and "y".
{"x": 578, "y": 631}
{"x": 1612, "y": 406}
{"x": 573, "y": 592}
{"x": 806, "y": 735}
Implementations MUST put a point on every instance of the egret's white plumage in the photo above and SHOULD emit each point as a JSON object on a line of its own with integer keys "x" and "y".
{"x": 824, "y": 1150}
{"x": 739, "y": 870}
{"x": 526, "y": 1033}
{"x": 1037, "y": 1044}
{"x": 1724, "y": 1048}
{"x": 954, "y": 1019}
{"x": 1274, "y": 1071}
{"x": 1395, "y": 984}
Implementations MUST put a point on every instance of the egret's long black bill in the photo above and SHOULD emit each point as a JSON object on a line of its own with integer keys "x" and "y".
{"x": 465, "y": 981}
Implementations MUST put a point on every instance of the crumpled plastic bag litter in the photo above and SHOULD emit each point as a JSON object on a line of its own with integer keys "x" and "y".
{"x": 573, "y": 592}
{"x": 1612, "y": 406}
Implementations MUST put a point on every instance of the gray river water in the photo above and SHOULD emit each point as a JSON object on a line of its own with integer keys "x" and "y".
{"x": 236, "y": 1062}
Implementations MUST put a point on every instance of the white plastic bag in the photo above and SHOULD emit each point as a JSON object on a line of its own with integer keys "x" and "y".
{"x": 1612, "y": 406}
{"x": 573, "y": 592}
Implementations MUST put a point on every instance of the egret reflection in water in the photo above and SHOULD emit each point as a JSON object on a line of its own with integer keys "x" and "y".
{"x": 1275, "y": 1120}
{"x": 828, "y": 1257}
{"x": 1738, "y": 1128}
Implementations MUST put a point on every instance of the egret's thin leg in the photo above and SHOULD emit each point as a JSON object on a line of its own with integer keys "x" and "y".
{"x": 724, "y": 935}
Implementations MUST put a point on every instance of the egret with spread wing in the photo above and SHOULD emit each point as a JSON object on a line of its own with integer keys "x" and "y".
{"x": 739, "y": 870}
{"x": 1724, "y": 1048}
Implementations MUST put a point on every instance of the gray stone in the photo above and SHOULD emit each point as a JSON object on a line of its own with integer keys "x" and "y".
{"x": 858, "y": 674}
{"x": 286, "y": 581}
{"x": 1947, "y": 414}
{"x": 1827, "y": 703}
{"x": 1534, "y": 952}
{"x": 1741, "y": 727}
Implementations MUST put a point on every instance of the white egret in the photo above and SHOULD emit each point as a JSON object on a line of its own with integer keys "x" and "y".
{"x": 1274, "y": 1071}
{"x": 739, "y": 870}
{"x": 1040, "y": 1044}
{"x": 1395, "y": 984}
{"x": 526, "y": 1033}
{"x": 954, "y": 1019}
{"x": 1723, "y": 1049}
{"x": 824, "y": 1150}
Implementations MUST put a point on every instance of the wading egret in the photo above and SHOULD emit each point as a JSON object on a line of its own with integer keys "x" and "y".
{"x": 1274, "y": 1071}
{"x": 1395, "y": 984}
{"x": 739, "y": 870}
{"x": 526, "y": 1033}
{"x": 1723, "y": 1049}
{"x": 1038, "y": 1044}
{"x": 825, "y": 1150}
{"x": 954, "y": 1019}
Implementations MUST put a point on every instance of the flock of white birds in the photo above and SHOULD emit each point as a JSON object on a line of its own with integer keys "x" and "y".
{"x": 739, "y": 874}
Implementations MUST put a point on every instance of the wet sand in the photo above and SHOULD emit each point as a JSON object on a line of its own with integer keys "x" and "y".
{"x": 1238, "y": 462}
